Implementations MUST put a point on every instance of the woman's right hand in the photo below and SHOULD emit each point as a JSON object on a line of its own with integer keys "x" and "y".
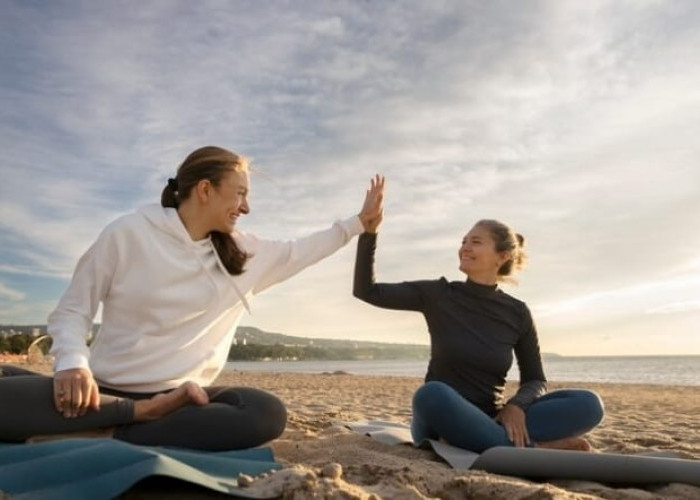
{"x": 74, "y": 391}
{"x": 372, "y": 212}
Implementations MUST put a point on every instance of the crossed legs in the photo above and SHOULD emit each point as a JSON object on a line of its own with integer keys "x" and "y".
{"x": 556, "y": 420}
{"x": 215, "y": 418}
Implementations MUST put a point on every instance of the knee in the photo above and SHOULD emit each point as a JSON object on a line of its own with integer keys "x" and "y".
{"x": 429, "y": 395}
{"x": 591, "y": 406}
{"x": 274, "y": 417}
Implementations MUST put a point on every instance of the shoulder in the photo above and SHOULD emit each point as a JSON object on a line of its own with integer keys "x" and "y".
{"x": 436, "y": 286}
{"x": 134, "y": 223}
{"x": 123, "y": 223}
{"x": 508, "y": 298}
{"x": 519, "y": 307}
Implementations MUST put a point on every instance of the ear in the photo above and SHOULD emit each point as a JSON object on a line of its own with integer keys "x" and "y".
{"x": 203, "y": 190}
{"x": 505, "y": 257}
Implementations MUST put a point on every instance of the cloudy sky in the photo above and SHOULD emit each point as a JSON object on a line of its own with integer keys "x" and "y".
{"x": 578, "y": 123}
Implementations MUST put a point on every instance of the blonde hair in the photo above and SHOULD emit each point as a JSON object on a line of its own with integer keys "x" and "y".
{"x": 506, "y": 240}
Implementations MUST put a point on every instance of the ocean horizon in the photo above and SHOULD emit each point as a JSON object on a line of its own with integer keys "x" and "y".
{"x": 657, "y": 370}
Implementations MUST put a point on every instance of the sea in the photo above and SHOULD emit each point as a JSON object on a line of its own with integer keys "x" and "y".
{"x": 661, "y": 370}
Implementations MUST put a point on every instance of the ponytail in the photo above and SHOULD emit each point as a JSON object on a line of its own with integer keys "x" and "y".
{"x": 168, "y": 197}
{"x": 232, "y": 257}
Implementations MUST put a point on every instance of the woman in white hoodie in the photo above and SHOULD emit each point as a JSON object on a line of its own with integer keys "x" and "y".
{"x": 174, "y": 281}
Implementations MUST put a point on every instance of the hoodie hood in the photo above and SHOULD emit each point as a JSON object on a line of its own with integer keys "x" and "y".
{"x": 167, "y": 220}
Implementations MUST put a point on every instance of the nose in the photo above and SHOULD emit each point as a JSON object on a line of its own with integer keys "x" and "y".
{"x": 244, "y": 208}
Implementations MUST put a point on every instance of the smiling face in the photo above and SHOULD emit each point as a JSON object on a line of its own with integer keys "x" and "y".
{"x": 478, "y": 257}
{"x": 228, "y": 200}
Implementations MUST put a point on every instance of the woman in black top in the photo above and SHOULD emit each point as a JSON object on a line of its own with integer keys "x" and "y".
{"x": 475, "y": 328}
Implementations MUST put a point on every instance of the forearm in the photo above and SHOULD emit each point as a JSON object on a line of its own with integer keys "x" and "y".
{"x": 284, "y": 259}
{"x": 364, "y": 285}
{"x": 71, "y": 322}
{"x": 68, "y": 332}
{"x": 533, "y": 382}
{"x": 528, "y": 392}
{"x": 402, "y": 296}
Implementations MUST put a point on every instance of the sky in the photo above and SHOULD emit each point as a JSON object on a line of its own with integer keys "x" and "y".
{"x": 577, "y": 123}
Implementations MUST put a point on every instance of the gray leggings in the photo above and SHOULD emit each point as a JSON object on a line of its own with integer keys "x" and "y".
{"x": 235, "y": 418}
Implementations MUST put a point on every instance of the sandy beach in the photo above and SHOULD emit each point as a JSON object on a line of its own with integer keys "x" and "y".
{"x": 326, "y": 460}
{"x": 639, "y": 418}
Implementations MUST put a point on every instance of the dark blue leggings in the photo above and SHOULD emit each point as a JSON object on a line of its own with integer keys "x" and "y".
{"x": 441, "y": 412}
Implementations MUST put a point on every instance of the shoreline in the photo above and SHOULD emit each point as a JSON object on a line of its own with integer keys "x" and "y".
{"x": 684, "y": 371}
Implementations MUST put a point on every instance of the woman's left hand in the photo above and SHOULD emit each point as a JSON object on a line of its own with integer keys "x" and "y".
{"x": 513, "y": 419}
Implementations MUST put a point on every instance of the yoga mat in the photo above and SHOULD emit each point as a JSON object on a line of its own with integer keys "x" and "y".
{"x": 104, "y": 468}
{"x": 538, "y": 463}
{"x": 602, "y": 467}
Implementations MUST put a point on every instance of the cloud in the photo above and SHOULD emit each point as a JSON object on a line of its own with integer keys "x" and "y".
{"x": 332, "y": 26}
{"x": 576, "y": 123}
{"x": 7, "y": 293}
{"x": 625, "y": 299}
{"x": 676, "y": 307}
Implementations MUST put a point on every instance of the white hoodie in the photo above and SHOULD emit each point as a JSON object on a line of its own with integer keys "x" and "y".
{"x": 170, "y": 308}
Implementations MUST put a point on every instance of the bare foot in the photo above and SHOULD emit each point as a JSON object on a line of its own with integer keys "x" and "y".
{"x": 96, "y": 433}
{"x": 154, "y": 408}
{"x": 160, "y": 405}
{"x": 570, "y": 443}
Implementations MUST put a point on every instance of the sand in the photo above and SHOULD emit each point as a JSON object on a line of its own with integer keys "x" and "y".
{"x": 326, "y": 460}
{"x": 638, "y": 418}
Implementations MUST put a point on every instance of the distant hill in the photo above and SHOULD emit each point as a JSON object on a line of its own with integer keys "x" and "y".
{"x": 256, "y": 336}
{"x": 252, "y": 343}
{"x": 347, "y": 349}
{"x": 255, "y": 344}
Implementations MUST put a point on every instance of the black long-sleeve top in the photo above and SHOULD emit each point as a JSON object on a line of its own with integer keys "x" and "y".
{"x": 474, "y": 330}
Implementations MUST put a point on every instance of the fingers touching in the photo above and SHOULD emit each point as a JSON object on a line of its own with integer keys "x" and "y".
{"x": 372, "y": 212}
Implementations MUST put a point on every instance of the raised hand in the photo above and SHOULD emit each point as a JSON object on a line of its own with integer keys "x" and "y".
{"x": 372, "y": 212}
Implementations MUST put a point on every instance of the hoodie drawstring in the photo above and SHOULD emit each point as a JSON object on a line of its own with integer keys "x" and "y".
{"x": 233, "y": 282}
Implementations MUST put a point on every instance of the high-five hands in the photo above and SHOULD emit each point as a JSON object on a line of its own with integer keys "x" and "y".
{"x": 372, "y": 212}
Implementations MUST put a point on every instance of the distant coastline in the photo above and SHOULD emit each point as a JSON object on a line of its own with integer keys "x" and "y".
{"x": 253, "y": 344}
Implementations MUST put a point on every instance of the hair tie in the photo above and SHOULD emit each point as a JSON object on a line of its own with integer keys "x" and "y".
{"x": 172, "y": 184}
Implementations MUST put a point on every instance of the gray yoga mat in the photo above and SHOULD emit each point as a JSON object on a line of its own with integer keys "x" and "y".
{"x": 646, "y": 468}
{"x": 104, "y": 468}
{"x": 602, "y": 467}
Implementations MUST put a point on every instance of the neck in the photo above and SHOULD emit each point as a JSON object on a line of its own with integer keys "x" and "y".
{"x": 483, "y": 279}
{"x": 192, "y": 220}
